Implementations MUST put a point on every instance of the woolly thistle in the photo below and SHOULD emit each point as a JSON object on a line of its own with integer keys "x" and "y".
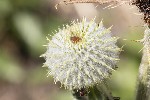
{"x": 82, "y": 54}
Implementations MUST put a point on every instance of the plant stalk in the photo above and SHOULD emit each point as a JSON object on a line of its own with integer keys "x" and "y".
{"x": 143, "y": 90}
{"x": 97, "y": 92}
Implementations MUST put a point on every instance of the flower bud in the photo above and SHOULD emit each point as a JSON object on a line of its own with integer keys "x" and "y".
{"x": 81, "y": 54}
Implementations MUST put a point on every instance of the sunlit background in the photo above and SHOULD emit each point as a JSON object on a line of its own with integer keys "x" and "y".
{"x": 24, "y": 25}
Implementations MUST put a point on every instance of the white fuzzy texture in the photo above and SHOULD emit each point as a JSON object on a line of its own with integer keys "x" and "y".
{"x": 86, "y": 61}
{"x": 146, "y": 41}
{"x": 144, "y": 70}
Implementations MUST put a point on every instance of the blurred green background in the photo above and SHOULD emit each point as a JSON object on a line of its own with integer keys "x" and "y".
{"x": 24, "y": 24}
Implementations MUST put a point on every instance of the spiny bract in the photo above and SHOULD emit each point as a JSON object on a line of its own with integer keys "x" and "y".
{"x": 82, "y": 54}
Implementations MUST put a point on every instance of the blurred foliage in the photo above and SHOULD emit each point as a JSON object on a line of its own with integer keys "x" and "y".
{"x": 9, "y": 69}
{"x": 24, "y": 24}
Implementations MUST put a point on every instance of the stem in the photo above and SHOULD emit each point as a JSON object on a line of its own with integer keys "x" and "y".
{"x": 143, "y": 90}
{"x": 80, "y": 94}
{"x": 97, "y": 92}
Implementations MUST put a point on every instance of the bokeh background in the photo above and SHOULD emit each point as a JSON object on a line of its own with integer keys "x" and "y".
{"x": 24, "y": 25}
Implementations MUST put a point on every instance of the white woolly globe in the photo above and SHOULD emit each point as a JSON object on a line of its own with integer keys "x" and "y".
{"x": 82, "y": 54}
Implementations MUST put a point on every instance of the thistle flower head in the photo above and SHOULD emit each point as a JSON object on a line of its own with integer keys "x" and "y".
{"x": 81, "y": 54}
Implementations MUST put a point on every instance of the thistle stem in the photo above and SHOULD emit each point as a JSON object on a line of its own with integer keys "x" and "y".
{"x": 98, "y": 92}
{"x": 143, "y": 90}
